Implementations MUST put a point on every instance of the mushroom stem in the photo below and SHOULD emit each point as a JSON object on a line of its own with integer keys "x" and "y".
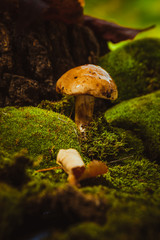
{"x": 84, "y": 106}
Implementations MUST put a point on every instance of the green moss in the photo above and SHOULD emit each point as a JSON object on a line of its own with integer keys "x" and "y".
{"x": 22, "y": 204}
{"x": 41, "y": 204}
{"x": 119, "y": 229}
{"x": 121, "y": 204}
{"x": 132, "y": 191}
{"x": 133, "y": 179}
{"x": 136, "y": 177}
{"x": 65, "y": 106}
{"x": 141, "y": 116}
{"x": 41, "y": 132}
{"x": 106, "y": 143}
{"x": 127, "y": 204}
{"x": 85, "y": 231}
{"x": 13, "y": 168}
{"x": 135, "y": 67}
{"x": 10, "y": 207}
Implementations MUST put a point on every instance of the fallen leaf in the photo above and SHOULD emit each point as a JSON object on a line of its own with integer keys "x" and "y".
{"x": 94, "y": 169}
{"x": 112, "y": 31}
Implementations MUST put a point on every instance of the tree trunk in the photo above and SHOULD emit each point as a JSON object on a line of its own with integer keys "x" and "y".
{"x": 31, "y": 61}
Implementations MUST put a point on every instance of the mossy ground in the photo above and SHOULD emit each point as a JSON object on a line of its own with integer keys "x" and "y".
{"x": 123, "y": 204}
{"x": 41, "y": 132}
{"x": 107, "y": 143}
{"x": 132, "y": 191}
{"x": 134, "y": 67}
{"x": 132, "y": 185}
{"x": 141, "y": 116}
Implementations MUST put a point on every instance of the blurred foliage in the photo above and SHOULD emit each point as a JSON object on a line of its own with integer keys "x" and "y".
{"x": 136, "y": 14}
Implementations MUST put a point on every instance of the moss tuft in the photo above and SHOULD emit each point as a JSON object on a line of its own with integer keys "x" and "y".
{"x": 141, "y": 116}
{"x": 65, "y": 106}
{"x": 134, "y": 67}
{"x": 106, "y": 143}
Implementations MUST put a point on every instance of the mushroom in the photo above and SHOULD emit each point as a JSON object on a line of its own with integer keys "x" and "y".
{"x": 72, "y": 163}
{"x": 86, "y": 83}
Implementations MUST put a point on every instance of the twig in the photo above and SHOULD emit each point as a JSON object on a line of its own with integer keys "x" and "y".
{"x": 121, "y": 159}
{"x": 48, "y": 169}
{"x": 59, "y": 167}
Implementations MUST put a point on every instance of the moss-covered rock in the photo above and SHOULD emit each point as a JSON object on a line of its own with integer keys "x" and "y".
{"x": 41, "y": 132}
{"x": 135, "y": 67}
{"x": 141, "y": 116}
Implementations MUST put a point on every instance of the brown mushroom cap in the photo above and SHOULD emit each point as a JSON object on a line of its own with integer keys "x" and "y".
{"x": 89, "y": 80}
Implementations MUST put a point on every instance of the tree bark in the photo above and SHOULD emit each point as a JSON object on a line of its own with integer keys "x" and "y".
{"x": 31, "y": 61}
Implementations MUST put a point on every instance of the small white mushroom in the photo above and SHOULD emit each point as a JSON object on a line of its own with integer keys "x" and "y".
{"x": 86, "y": 83}
{"x": 72, "y": 163}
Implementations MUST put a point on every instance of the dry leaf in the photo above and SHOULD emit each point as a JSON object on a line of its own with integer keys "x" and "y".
{"x": 71, "y": 162}
{"x": 94, "y": 169}
{"x": 111, "y": 31}
{"x": 49, "y": 169}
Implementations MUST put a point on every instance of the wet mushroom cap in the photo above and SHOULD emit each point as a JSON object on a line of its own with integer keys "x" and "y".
{"x": 89, "y": 80}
